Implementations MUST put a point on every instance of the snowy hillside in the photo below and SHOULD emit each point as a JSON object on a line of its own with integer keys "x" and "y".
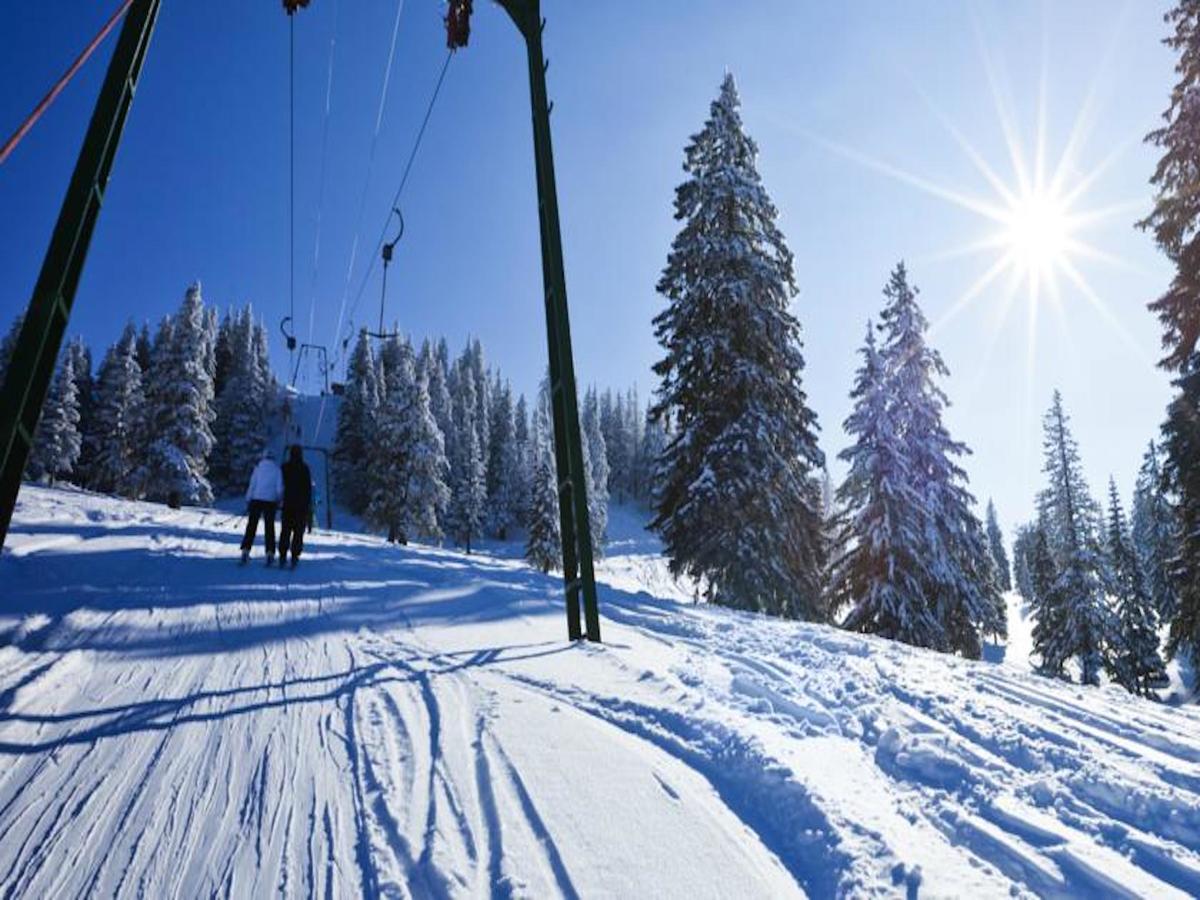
{"x": 394, "y": 722}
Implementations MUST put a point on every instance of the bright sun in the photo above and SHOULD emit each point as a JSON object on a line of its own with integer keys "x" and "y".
{"x": 1037, "y": 233}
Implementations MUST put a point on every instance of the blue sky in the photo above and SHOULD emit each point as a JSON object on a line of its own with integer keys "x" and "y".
{"x": 840, "y": 97}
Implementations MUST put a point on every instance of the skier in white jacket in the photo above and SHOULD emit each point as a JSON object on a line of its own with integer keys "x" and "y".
{"x": 263, "y": 495}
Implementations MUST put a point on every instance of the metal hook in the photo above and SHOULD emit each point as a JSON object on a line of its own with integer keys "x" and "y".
{"x": 288, "y": 336}
{"x": 389, "y": 247}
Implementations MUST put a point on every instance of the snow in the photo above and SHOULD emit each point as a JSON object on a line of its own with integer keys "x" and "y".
{"x": 394, "y": 721}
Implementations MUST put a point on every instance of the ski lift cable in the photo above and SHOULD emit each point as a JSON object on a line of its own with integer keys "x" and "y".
{"x": 62, "y": 82}
{"x": 412, "y": 156}
{"x": 312, "y": 299}
{"x": 387, "y": 75}
{"x": 292, "y": 168}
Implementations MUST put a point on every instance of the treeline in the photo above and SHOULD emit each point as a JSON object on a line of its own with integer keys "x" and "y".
{"x": 175, "y": 418}
{"x": 429, "y": 447}
{"x": 1098, "y": 584}
{"x": 743, "y": 501}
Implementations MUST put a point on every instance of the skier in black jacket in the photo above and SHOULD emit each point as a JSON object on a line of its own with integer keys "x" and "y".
{"x": 297, "y": 505}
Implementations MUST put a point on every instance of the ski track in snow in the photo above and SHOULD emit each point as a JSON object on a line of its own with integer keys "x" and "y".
{"x": 410, "y": 723}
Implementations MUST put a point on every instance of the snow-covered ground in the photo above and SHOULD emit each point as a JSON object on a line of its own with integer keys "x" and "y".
{"x": 396, "y": 722}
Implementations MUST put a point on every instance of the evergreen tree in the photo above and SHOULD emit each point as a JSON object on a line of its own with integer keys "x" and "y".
{"x": 85, "y": 385}
{"x": 996, "y": 546}
{"x": 596, "y": 465}
{"x": 939, "y": 587}
{"x": 1175, "y": 222}
{"x": 433, "y": 371}
{"x": 145, "y": 349}
{"x": 243, "y": 405}
{"x": 504, "y": 465}
{"x": 223, "y": 353}
{"x": 734, "y": 506}
{"x": 613, "y": 428}
{"x": 57, "y": 439}
{"x": 1022, "y": 553}
{"x": 544, "y": 546}
{"x": 356, "y": 422}
{"x": 427, "y": 491}
{"x": 473, "y": 359}
{"x": 1132, "y": 659}
{"x": 653, "y": 446}
{"x": 878, "y": 574}
{"x": 1069, "y": 517}
{"x": 1156, "y": 535}
{"x": 179, "y": 408}
{"x": 523, "y": 439}
{"x": 1048, "y": 606}
{"x": 407, "y": 467}
{"x": 468, "y": 485}
{"x": 120, "y": 406}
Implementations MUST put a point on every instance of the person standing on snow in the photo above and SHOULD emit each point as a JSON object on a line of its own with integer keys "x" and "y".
{"x": 297, "y": 505}
{"x": 262, "y": 496}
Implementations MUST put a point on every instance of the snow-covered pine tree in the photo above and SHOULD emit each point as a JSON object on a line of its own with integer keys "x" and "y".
{"x": 473, "y": 356}
{"x": 120, "y": 406}
{"x": 266, "y": 376}
{"x": 242, "y": 407}
{"x": 616, "y": 443}
{"x": 57, "y": 439}
{"x": 543, "y": 548}
{"x": 428, "y": 492}
{"x": 1051, "y": 640}
{"x": 524, "y": 448}
{"x": 212, "y": 327}
{"x": 996, "y": 545}
{"x": 598, "y": 471}
{"x": 145, "y": 348}
{"x": 1132, "y": 653}
{"x": 433, "y": 370}
{"x": 468, "y": 484}
{"x": 734, "y": 506}
{"x": 85, "y": 385}
{"x": 1175, "y": 222}
{"x": 1022, "y": 553}
{"x": 179, "y": 408}
{"x": 1155, "y": 529}
{"x": 650, "y": 458}
{"x": 955, "y": 570}
{"x": 504, "y": 465}
{"x": 356, "y": 421}
{"x": 390, "y": 465}
{"x": 633, "y": 437}
{"x": 395, "y": 356}
{"x": 223, "y": 353}
{"x": 1069, "y": 516}
{"x": 878, "y": 574}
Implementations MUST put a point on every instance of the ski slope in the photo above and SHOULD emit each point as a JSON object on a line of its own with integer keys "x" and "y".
{"x": 393, "y": 722}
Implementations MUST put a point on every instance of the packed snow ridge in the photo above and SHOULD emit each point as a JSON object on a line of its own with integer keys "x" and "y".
{"x": 393, "y": 721}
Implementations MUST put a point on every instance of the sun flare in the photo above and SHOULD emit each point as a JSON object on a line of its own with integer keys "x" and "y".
{"x": 1037, "y": 233}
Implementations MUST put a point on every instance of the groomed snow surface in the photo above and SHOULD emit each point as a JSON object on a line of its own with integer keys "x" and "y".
{"x": 411, "y": 722}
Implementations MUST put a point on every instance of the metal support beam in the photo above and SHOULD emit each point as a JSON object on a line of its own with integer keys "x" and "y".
{"x": 578, "y": 577}
{"x": 34, "y": 357}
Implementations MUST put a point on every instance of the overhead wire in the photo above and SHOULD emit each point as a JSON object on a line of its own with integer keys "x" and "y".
{"x": 63, "y": 81}
{"x": 412, "y": 156}
{"x": 312, "y": 299}
{"x": 387, "y": 75}
{"x": 291, "y": 177}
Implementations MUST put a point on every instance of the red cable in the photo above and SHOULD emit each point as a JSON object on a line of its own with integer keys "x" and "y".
{"x": 12, "y": 142}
